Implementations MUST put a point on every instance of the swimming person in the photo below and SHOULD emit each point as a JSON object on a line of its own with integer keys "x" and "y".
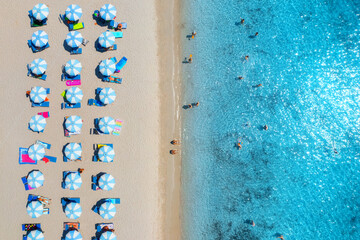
{"x": 195, "y": 104}
{"x": 252, "y": 223}
{"x": 281, "y": 237}
{"x": 190, "y": 58}
{"x": 266, "y": 127}
{"x": 239, "y": 145}
{"x": 247, "y": 57}
{"x": 240, "y": 77}
{"x": 242, "y": 21}
{"x": 256, "y": 34}
{"x": 193, "y": 34}
{"x": 259, "y": 85}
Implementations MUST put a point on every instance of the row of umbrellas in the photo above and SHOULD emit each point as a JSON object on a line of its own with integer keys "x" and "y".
{"x": 71, "y": 235}
{"x": 73, "y": 12}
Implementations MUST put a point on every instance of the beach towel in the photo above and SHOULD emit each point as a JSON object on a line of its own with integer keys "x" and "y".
{"x": 118, "y": 126}
{"x": 100, "y": 226}
{"x": 24, "y": 157}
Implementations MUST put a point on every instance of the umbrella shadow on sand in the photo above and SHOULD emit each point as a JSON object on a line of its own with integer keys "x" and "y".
{"x": 67, "y": 47}
{"x": 98, "y": 73}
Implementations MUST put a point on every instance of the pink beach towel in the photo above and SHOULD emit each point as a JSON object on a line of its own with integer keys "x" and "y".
{"x": 27, "y": 159}
{"x": 44, "y": 114}
{"x": 73, "y": 82}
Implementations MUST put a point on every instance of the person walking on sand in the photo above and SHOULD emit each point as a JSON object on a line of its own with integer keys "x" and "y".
{"x": 175, "y": 142}
{"x": 173, "y": 152}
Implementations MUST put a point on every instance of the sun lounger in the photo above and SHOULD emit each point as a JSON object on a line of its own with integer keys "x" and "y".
{"x": 30, "y": 226}
{"x": 118, "y": 34}
{"x": 124, "y": 25}
{"x": 113, "y": 24}
{"x": 44, "y": 114}
{"x": 121, "y": 64}
{"x": 117, "y": 128}
{"x": 94, "y": 102}
{"x": 65, "y": 201}
{"x": 43, "y": 104}
{"x": 26, "y": 185}
{"x": 24, "y": 157}
{"x": 76, "y": 51}
{"x": 49, "y": 158}
{"x": 46, "y": 211}
{"x": 85, "y": 41}
{"x": 68, "y": 134}
{"x": 32, "y": 197}
{"x": 100, "y": 226}
{"x": 46, "y": 145}
{"x": 66, "y": 77}
{"x": 104, "y": 144}
{"x": 73, "y": 82}
{"x": 113, "y": 59}
{"x": 71, "y": 225}
{"x": 67, "y": 105}
{"x": 113, "y": 200}
{"x": 112, "y": 79}
{"x": 34, "y": 23}
{"x": 76, "y": 26}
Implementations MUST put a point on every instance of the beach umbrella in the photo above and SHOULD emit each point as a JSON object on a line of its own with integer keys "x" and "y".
{"x": 73, "y": 235}
{"x": 73, "y": 210}
{"x": 107, "y": 95}
{"x": 36, "y": 152}
{"x": 73, "y": 123}
{"x": 107, "y": 67}
{"x": 40, "y": 11}
{"x": 73, "y": 151}
{"x": 73, "y": 67}
{"x": 38, "y": 66}
{"x": 37, "y": 123}
{"x": 39, "y": 38}
{"x": 74, "y": 95}
{"x": 35, "y": 179}
{"x": 74, "y": 39}
{"x": 106, "y": 182}
{"x": 73, "y": 181}
{"x": 108, "y": 235}
{"x": 35, "y": 209}
{"x": 106, "y": 124}
{"x": 35, "y": 235}
{"x": 107, "y": 210}
{"x": 106, "y": 154}
{"x": 38, "y": 94}
{"x": 107, "y": 39}
{"x": 73, "y": 12}
{"x": 108, "y": 12}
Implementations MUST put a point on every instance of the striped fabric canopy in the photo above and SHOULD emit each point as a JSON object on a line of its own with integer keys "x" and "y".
{"x": 40, "y": 11}
{"x": 107, "y": 39}
{"x": 108, "y": 235}
{"x": 36, "y": 152}
{"x": 38, "y": 66}
{"x": 106, "y": 154}
{"x": 35, "y": 209}
{"x": 107, "y": 67}
{"x": 73, "y": 12}
{"x": 39, "y": 38}
{"x": 73, "y": 67}
{"x": 35, "y": 235}
{"x": 74, "y": 95}
{"x": 73, "y": 210}
{"x": 73, "y": 235}
{"x": 107, "y": 95}
{"x": 106, "y": 182}
{"x": 107, "y": 210}
{"x": 73, "y": 123}
{"x": 108, "y": 12}
{"x": 74, "y": 39}
{"x": 73, "y": 151}
{"x": 35, "y": 179}
{"x": 73, "y": 181}
{"x": 37, "y": 123}
{"x": 38, "y": 94}
{"x": 106, "y": 125}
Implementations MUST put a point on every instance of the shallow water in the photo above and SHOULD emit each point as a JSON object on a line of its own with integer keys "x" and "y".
{"x": 289, "y": 179}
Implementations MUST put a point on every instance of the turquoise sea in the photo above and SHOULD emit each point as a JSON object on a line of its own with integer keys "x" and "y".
{"x": 301, "y": 177}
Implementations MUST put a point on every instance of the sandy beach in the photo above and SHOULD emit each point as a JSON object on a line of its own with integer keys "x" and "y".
{"x": 147, "y": 177}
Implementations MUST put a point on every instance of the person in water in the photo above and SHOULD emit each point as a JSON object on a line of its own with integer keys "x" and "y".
{"x": 193, "y": 34}
{"x": 242, "y": 21}
{"x": 190, "y": 59}
{"x": 195, "y": 104}
{"x": 239, "y": 145}
{"x": 175, "y": 142}
{"x": 266, "y": 127}
{"x": 252, "y": 223}
{"x": 259, "y": 85}
{"x": 281, "y": 237}
{"x": 240, "y": 77}
{"x": 256, "y": 34}
{"x": 247, "y": 57}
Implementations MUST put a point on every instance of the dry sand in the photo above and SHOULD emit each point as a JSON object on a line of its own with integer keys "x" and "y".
{"x": 147, "y": 179}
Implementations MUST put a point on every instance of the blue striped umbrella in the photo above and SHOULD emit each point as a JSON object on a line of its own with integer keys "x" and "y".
{"x": 107, "y": 95}
{"x": 107, "y": 67}
{"x": 73, "y": 67}
{"x": 40, "y": 11}
{"x": 39, "y": 38}
{"x": 73, "y": 235}
{"x": 73, "y": 151}
{"x": 74, "y": 95}
{"x": 106, "y": 182}
{"x": 35, "y": 235}
{"x": 35, "y": 179}
{"x": 107, "y": 210}
{"x": 108, "y": 235}
{"x": 38, "y": 66}
{"x": 106, "y": 124}
{"x": 107, "y": 39}
{"x": 37, "y": 123}
{"x": 74, "y": 39}
{"x": 106, "y": 154}
{"x": 73, "y": 210}
{"x": 38, "y": 94}
{"x": 108, "y": 12}
{"x": 73, "y": 12}
{"x": 73, "y": 181}
{"x": 36, "y": 152}
{"x": 73, "y": 123}
{"x": 35, "y": 209}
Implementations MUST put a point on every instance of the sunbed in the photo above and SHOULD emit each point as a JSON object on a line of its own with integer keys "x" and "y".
{"x": 76, "y": 51}
{"x": 30, "y": 226}
{"x": 85, "y": 41}
{"x": 68, "y": 134}
{"x": 118, "y": 34}
{"x": 47, "y": 159}
{"x": 68, "y": 105}
{"x": 113, "y": 200}
{"x": 100, "y": 226}
{"x": 76, "y": 26}
{"x": 112, "y": 79}
{"x": 73, "y": 82}
{"x": 94, "y": 102}
{"x": 71, "y": 225}
{"x": 46, "y": 211}
{"x": 65, "y": 201}
{"x": 113, "y": 59}
{"x": 46, "y": 145}
{"x": 43, "y": 104}
{"x": 66, "y": 77}
{"x": 121, "y": 64}
{"x": 26, "y": 185}
{"x": 102, "y": 49}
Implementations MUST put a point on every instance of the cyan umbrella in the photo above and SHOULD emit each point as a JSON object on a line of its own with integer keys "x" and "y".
{"x": 74, "y": 39}
{"x": 107, "y": 95}
{"x": 107, "y": 210}
{"x": 37, "y": 123}
{"x": 73, "y": 12}
{"x": 73, "y": 67}
{"x": 73, "y": 123}
{"x": 40, "y": 11}
{"x": 107, "y": 39}
{"x": 38, "y": 94}
{"x": 74, "y": 95}
{"x": 36, "y": 152}
{"x": 73, "y": 210}
{"x": 106, "y": 154}
{"x": 108, "y": 12}
{"x": 73, "y": 235}
{"x": 106, "y": 182}
{"x": 35, "y": 179}
{"x": 35, "y": 235}
{"x": 73, "y": 151}
{"x": 108, "y": 235}
{"x": 35, "y": 209}
{"x": 106, "y": 124}
{"x": 39, "y": 38}
{"x": 73, "y": 181}
{"x": 107, "y": 67}
{"x": 38, "y": 66}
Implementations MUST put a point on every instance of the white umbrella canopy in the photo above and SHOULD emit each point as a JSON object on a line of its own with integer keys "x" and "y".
{"x": 37, "y": 123}
{"x": 35, "y": 209}
{"x": 108, "y": 235}
{"x": 106, "y": 182}
{"x": 73, "y": 210}
{"x": 74, "y": 95}
{"x": 73, "y": 151}
{"x": 36, "y": 152}
{"x": 35, "y": 179}
{"x": 107, "y": 210}
{"x": 73, "y": 123}
{"x": 106, "y": 154}
{"x": 107, "y": 95}
{"x": 73, "y": 235}
{"x": 106, "y": 125}
{"x": 35, "y": 235}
